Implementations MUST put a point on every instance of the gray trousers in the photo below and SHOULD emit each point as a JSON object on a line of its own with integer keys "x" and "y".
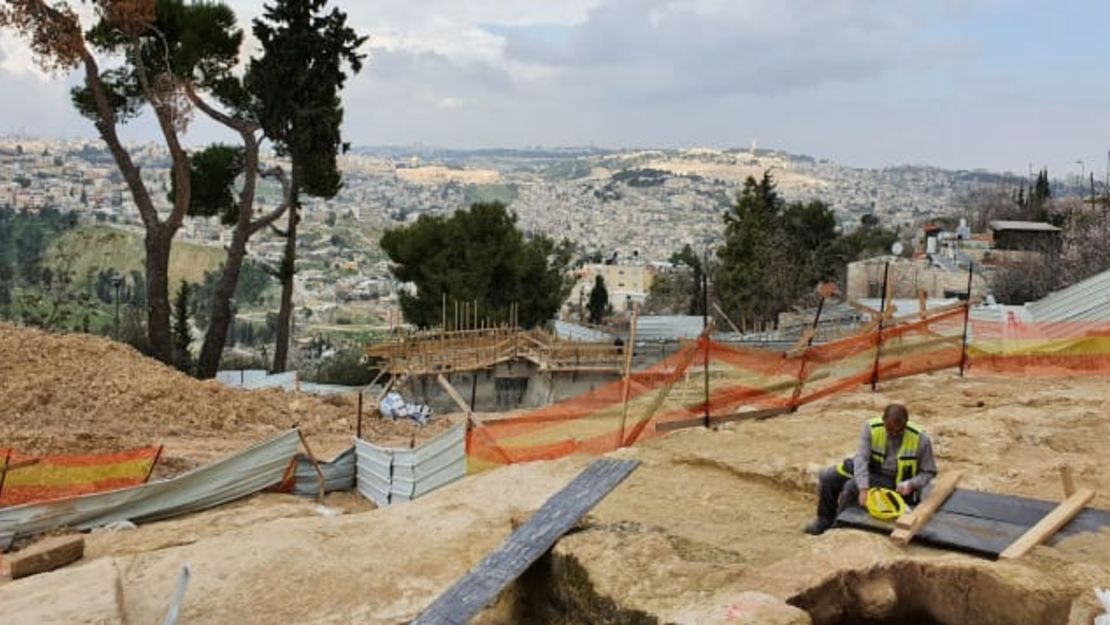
{"x": 836, "y": 492}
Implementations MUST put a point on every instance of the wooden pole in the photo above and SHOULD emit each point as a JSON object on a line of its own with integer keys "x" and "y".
{"x": 879, "y": 330}
{"x": 4, "y": 470}
{"x": 805, "y": 356}
{"x": 153, "y": 463}
{"x": 358, "y": 427}
{"x": 967, "y": 317}
{"x": 629, "y": 348}
{"x": 315, "y": 465}
{"x": 1069, "y": 482}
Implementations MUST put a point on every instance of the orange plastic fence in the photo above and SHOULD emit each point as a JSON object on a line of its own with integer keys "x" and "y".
{"x": 28, "y": 479}
{"x": 1012, "y": 347}
{"x": 707, "y": 377}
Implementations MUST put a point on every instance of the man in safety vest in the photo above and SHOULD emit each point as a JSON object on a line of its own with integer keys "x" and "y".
{"x": 894, "y": 453}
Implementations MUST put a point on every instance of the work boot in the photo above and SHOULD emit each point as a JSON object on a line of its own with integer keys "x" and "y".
{"x": 818, "y": 526}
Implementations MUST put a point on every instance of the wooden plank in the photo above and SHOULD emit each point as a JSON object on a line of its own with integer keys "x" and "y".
{"x": 482, "y": 584}
{"x": 454, "y": 394}
{"x": 969, "y": 534}
{"x": 47, "y": 555}
{"x": 907, "y": 525}
{"x": 1049, "y": 525}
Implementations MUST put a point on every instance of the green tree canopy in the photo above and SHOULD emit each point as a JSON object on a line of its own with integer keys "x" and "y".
{"x": 776, "y": 253}
{"x": 599, "y": 301}
{"x": 477, "y": 255}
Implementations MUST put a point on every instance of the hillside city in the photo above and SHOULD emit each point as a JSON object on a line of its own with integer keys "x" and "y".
{"x": 661, "y": 199}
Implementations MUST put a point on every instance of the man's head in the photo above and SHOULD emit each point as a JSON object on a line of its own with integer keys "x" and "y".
{"x": 895, "y": 417}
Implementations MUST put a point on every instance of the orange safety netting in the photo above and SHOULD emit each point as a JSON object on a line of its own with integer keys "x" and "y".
{"x": 719, "y": 380}
{"x": 28, "y": 479}
{"x": 1050, "y": 349}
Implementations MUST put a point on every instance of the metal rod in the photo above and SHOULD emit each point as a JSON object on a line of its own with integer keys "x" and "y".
{"x": 704, "y": 325}
{"x": 967, "y": 315}
{"x": 879, "y": 331}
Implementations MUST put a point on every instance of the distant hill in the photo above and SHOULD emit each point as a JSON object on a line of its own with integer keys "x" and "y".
{"x": 97, "y": 248}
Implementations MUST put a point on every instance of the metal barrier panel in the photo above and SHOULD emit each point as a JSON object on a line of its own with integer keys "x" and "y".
{"x": 387, "y": 476}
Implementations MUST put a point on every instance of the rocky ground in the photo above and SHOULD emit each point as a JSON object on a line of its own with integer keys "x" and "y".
{"x": 706, "y": 530}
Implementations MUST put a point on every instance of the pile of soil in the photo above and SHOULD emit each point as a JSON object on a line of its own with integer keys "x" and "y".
{"x": 72, "y": 394}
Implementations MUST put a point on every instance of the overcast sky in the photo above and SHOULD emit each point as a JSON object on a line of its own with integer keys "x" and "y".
{"x": 995, "y": 84}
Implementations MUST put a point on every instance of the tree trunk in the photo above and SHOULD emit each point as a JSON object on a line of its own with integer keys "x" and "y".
{"x": 220, "y": 316}
{"x": 285, "y": 313}
{"x": 158, "y": 292}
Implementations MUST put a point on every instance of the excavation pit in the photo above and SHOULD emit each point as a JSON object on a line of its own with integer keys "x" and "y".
{"x": 918, "y": 593}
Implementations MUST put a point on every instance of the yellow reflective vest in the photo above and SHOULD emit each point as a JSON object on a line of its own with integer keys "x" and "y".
{"x": 907, "y": 453}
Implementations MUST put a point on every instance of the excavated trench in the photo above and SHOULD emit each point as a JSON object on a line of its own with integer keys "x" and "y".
{"x": 918, "y": 593}
{"x": 557, "y": 590}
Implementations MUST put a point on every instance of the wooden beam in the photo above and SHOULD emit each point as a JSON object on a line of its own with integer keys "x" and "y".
{"x": 730, "y": 323}
{"x": 47, "y": 555}
{"x": 320, "y": 482}
{"x": 907, "y": 525}
{"x": 454, "y": 394}
{"x": 1049, "y": 525}
{"x": 1069, "y": 481}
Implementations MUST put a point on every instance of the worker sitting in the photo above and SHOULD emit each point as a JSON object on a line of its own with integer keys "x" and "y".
{"x": 894, "y": 453}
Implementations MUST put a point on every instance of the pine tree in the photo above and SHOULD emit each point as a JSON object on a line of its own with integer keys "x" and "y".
{"x": 598, "y": 306}
{"x": 182, "y": 335}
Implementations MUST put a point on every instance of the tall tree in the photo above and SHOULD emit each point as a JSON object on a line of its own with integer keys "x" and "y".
{"x": 477, "y": 255}
{"x": 306, "y": 54}
{"x": 598, "y": 304}
{"x": 744, "y": 277}
{"x": 162, "y": 45}
{"x": 182, "y": 335}
{"x": 687, "y": 256}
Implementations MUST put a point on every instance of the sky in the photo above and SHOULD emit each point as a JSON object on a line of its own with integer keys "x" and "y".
{"x": 1004, "y": 85}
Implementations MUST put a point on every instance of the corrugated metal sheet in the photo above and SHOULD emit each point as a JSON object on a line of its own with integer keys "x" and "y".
{"x": 245, "y": 473}
{"x": 668, "y": 327}
{"x": 387, "y": 476}
{"x": 580, "y": 334}
{"x": 339, "y": 474}
{"x": 1088, "y": 300}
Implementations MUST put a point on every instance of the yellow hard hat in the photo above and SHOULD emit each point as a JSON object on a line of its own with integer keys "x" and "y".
{"x": 885, "y": 504}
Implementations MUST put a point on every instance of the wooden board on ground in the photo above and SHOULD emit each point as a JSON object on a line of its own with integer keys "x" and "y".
{"x": 907, "y": 525}
{"x": 1048, "y": 526}
{"x": 982, "y": 523}
{"x": 482, "y": 584}
{"x": 47, "y": 555}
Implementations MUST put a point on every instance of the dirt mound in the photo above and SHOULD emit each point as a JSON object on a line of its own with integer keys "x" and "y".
{"x": 77, "y": 393}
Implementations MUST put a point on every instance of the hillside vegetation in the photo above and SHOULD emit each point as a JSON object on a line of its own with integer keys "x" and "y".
{"x": 101, "y": 248}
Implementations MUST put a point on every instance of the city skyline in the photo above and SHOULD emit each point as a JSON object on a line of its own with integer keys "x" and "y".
{"x": 992, "y": 84}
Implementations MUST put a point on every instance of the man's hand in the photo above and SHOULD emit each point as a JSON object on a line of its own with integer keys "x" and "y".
{"x": 863, "y": 497}
{"x": 905, "y": 489}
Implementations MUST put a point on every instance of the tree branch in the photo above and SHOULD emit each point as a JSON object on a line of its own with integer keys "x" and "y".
{"x": 169, "y": 132}
{"x": 287, "y": 192}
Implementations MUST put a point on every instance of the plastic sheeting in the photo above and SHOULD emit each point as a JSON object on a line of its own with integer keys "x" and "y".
{"x": 387, "y": 476}
{"x": 339, "y": 474}
{"x": 255, "y": 469}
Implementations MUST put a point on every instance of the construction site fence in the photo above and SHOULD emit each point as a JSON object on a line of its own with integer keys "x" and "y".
{"x": 706, "y": 382}
{"x": 27, "y": 478}
{"x": 289, "y": 381}
{"x": 262, "y": 466}
{"x": 392, "y": 475}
